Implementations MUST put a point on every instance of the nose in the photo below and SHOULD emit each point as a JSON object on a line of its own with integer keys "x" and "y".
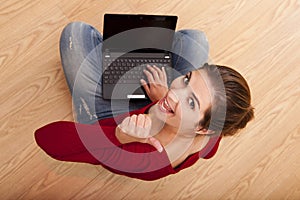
{"x": 178, "y": 94}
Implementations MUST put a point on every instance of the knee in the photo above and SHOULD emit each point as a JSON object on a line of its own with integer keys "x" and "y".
{"x": 195, "y": 35}
{"x": 80, "y": 32}
{"x": 74, "y": 28}
{"x": 71, "y": 30}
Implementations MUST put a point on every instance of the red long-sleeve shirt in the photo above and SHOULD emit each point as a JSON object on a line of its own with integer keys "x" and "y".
{"x": 97, "y": 144}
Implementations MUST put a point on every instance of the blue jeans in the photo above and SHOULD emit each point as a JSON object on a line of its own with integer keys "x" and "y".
{"x": 81, "y": 57}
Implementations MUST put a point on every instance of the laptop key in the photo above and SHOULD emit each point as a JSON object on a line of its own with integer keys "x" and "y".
{"x": 131, "y": 70}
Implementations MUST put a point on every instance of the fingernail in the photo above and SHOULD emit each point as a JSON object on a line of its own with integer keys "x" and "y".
{"x": 160, "y": 149}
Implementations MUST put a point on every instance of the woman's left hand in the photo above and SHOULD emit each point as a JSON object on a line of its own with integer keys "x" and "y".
{"x": 157, "y": 87}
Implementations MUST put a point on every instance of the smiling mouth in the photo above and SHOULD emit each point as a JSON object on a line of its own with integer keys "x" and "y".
{"x": 164, "y": 106}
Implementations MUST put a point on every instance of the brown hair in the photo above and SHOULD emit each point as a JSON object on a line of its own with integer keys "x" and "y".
{"x": 231, "y": 108}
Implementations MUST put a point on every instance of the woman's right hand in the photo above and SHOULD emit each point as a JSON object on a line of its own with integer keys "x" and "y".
{"x": 137, "y": 128}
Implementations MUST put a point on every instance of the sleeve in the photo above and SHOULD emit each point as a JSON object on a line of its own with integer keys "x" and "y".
{"x": 211, "y": 148}
{"x": 69, "y": 141}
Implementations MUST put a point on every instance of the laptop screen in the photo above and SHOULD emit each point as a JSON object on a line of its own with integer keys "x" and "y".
{"x": 141, "y": 33}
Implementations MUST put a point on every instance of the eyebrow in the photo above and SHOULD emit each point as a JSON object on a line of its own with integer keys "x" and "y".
{"x": 193, "y": 94}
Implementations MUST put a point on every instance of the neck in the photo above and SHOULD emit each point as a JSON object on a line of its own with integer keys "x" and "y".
{"x": 177, "y": 143}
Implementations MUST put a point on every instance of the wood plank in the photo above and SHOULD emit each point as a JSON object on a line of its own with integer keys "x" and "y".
{"x": 260, "y": 39}
{"x": 42, "y": 177}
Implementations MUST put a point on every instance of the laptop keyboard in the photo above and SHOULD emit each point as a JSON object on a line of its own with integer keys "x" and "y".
{"x": 130, "y": 70}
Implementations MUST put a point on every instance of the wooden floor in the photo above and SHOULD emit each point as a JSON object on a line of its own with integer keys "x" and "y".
{"x": 259, "y": 38}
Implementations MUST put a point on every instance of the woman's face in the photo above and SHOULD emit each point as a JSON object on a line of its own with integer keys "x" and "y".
{"x": 185, "y": 103}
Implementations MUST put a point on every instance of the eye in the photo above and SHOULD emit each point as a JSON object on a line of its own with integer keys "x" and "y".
{"x": 186, "y": 79}
{"x": 191, "y": 103}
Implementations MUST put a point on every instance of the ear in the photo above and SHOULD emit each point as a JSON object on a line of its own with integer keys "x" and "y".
{"x": 204, "y": 131}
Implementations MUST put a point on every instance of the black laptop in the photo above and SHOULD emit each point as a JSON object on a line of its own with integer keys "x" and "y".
{"x": 131, "y": 42}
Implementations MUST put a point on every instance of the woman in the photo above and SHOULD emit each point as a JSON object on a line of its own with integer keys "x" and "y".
{"x": 147, "y": 140}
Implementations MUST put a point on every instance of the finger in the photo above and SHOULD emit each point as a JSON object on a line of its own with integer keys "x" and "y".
{"x": 145, "y": 85}
{"x": 133, "y": 119}
{"x": 149, "y": 76}
{"x": 140, "y": 120}
{"x": 156, "y": 68}
{"x": 143, "y": 126}
{"x": 147, "y": 123}
{"x": 124, "y": 125}
{"x": 164, "y": 73}
{"x": 140, "y": 130}
{"x": 153, "y": 71}
{"x": 132, "y": 123}
{"x": 159, "y": 71}
{"x": 154, "y": 142}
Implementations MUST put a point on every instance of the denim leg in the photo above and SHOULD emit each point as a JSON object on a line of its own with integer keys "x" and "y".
{"x": 77, "y": 41}
{"x": 80, "y": 47}
{"x": 81, "y": 57}
{"x": 189, "y": 51}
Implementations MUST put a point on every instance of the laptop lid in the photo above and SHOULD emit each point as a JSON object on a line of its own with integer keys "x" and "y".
{"x": 138, "y": 33}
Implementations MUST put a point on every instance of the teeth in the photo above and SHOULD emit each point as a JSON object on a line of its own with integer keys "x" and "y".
{"x": 166, "y": 106}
